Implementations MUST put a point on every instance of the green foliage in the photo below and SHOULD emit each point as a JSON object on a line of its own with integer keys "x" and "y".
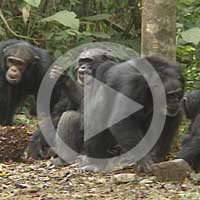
{"x": 34, "y": 3}
{"x": 188, "y": 40}
{"x": 59, "y": 25}
{"x": 65, "y": 18}
{"x": 192, "y": 35}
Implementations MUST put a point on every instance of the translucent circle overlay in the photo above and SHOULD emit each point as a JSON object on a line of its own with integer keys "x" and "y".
{"x": 146, "y": 70}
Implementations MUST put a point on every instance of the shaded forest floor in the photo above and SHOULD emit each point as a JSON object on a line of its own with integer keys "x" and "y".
{"x": 42, "y": 181}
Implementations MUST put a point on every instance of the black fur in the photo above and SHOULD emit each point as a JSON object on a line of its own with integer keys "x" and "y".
{"x": 190, "y": 150}
{"x": 127, "y": 133}
{"x": 11, "y": 96}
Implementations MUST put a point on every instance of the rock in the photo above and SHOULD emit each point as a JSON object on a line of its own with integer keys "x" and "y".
{"x": 174, "y": 170}
{"x": 20, "y": 185}
{"x": 124, "y": 178}
{"x": 147, "y": 181}
{"x": 171, "y": 187}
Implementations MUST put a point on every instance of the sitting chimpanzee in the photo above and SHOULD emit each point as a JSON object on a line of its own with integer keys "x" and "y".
{"x": 126, "y": 133}
{"x": 38, "y": 147}
{"x": 190, "y": 150}
{"x": 22, "y": 67}
{"x": 71, "y": 120}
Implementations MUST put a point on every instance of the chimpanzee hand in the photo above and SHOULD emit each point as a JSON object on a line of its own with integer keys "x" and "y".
{"x": 56, "y": 72}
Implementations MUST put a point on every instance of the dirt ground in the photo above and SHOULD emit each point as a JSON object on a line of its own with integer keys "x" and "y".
{"x": 42, "y": 181}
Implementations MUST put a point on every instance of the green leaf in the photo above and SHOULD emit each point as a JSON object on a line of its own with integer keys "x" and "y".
{"x": 65, "y": 18}
{"x": 99, "y": 17}
{"x": 34, "y": 3}
{"x": 192, "y": 35}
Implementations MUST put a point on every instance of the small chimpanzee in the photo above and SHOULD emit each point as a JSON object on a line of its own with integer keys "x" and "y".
{"x": 38, "y": 147}
{"x": 22, "y": 67}
{"x": 190, "y": 150}
{"x": 128, "y": 132}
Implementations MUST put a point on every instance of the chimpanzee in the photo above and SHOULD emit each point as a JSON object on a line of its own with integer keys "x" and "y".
{"x": 38, "y": 147}
{"x": 191, "y": 104}
{"x": 22, "y": 67}
{"x": 128, "y": 132}
{"x": 190, "y": 150}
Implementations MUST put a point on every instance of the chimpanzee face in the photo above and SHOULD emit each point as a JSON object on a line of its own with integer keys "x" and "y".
{"x": 17, "y": 59}
{"x": 84, "y": 67}
{"x": 16, "y": 67}
{"x": 174, "y": 94}
{"x": 88, "y": 60}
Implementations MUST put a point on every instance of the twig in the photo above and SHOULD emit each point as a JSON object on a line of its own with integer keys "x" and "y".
{"x": 13, "y": 32}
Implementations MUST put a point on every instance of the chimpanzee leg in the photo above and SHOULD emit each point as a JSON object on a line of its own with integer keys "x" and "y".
{"x": 97, "y": 149}
{"x": 128, "y": 135}
{"x": 100, "y": 145}
{"x": 191, "y": 150}
{"x": 163, "y": 144}
{"x": 69, "y": 137}
{"x": 123, "y": 137}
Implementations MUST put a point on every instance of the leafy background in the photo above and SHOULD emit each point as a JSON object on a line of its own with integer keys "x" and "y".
{"x": 59, "y": 25}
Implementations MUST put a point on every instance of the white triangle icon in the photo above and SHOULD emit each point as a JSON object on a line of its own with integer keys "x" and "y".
{"x": 104, "y": 107}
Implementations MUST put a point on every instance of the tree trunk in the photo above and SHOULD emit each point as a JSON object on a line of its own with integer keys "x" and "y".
{"x": 159, "y": 28}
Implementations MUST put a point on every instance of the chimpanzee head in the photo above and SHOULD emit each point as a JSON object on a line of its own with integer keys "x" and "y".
{"x": 191, "y": 104}
{"x": 17, "y": 58}
{"x": 89, "y": 59}
{"x": 173, "y": 82}
{"x": 174, "y": 94}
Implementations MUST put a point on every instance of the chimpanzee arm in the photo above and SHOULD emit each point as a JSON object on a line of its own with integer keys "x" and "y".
{"x": 61, "y": 107}
{"x": 74, "y": 92}
{"x": 38, "y": 146}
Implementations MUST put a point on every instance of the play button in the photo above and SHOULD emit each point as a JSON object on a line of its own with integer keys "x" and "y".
{"x": 104, "y": 107}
